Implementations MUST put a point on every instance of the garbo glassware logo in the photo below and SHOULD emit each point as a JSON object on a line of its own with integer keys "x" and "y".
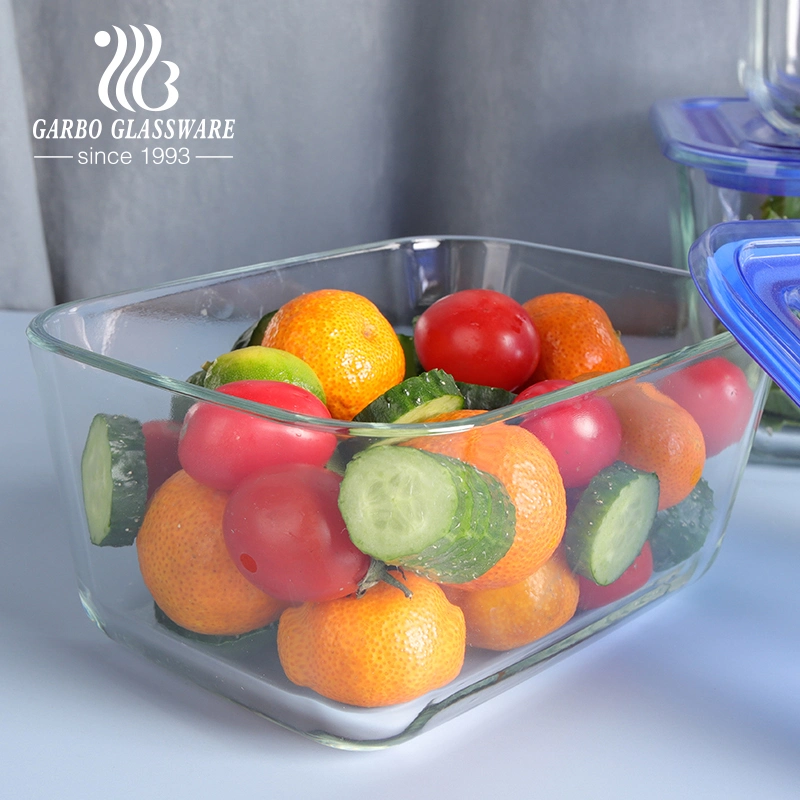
{"x": 103, "y": 39}
{"x": 127, "y": 94}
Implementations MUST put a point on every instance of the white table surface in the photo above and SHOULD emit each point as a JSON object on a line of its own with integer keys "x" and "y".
{"x": 699, "y": 697}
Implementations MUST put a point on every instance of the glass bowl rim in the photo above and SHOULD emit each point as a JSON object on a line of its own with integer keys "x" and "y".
{"x": 39, "y": 337}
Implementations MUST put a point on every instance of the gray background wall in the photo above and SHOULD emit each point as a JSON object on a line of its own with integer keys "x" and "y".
{"x": 356, "y": 120}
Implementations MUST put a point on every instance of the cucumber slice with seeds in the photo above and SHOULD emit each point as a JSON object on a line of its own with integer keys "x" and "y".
{"x": 610, "y": 522}
{"x": 114, "y": 477}
{"x": 429, "y": 513}
{"x": 415, "y": 399}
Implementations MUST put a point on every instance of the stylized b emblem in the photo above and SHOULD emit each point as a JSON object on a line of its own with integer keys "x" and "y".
{"x": 103, "y": 39}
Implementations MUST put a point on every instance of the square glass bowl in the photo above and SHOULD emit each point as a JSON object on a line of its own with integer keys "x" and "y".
{"x": 130, "y": 354}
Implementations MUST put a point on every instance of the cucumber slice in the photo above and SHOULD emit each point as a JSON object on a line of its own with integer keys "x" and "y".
{"x": 429, "y": 513}
{"x": 415, "y": 399}
{"x": 681, "y": 530}
{"x": 413, "y": 367}
{"x": 610, "y": 522}
{"x": 114, "y": 477}
{"x": 206, "y": 638}
{"x": 485, "y": 398}
{"x": 255, "y": 333}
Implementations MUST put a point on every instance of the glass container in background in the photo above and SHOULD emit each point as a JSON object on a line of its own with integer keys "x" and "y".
{"x": 739, "y": 159}
{"x": 770, "y": 70}
{"x": 731, "y": 164}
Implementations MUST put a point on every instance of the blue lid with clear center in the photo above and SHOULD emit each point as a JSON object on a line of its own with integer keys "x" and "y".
{"x": 748, "y": 272}
{"x": 731, "y": 142}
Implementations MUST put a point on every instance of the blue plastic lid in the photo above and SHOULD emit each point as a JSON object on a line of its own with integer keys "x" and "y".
{"x": 731, "y": 142}
{"x": 748, "y": 272}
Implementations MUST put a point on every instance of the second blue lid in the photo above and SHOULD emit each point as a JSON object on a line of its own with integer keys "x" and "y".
{"x": 731, "y": 142}
{"x": 748, "y": 272}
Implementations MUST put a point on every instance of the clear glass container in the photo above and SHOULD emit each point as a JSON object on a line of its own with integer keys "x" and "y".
{"x": 130, "y": 354}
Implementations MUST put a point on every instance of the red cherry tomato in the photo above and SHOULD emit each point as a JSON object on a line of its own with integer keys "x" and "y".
{"x": 220, "y": 447}
{"x": 716, "y": 393}
{"x": 286, "y": 535}
{"x": 583, "y": 434}
{"x": 593, "y": 595}
{"x": 478, "y": 336}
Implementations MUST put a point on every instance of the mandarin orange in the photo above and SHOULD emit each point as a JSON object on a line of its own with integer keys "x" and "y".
{"x": 348, "y": 343}
{"x": 529, "y": 474}
{"x": 375, "y": 650}
{"x": 501, "y": 619}
{"x": 186, "y": 567}
{"x": 576, "y": 337}
{"x": 659, "y": 436}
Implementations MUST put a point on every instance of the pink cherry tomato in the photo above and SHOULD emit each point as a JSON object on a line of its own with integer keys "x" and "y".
{"x": 220, "y": 447}
{"x": 638, "y": 573}
{"x": 716, "y": 393}
{"x": 285, "y": 533}
{"x": 583, "y": 434}
{"x": 479, "y": 336}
